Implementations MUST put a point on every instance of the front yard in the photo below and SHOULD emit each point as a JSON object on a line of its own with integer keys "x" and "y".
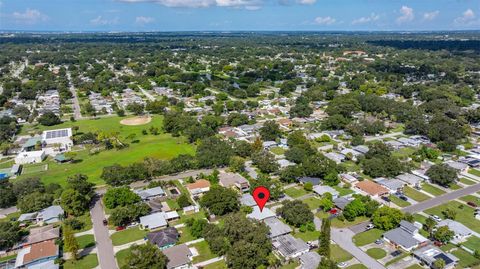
{"x": 127, "y": 236}
{"x": 338, "y": 254}
{"x": 367, "y": 237}
{"x": 86, "y": 262}
{"x": 295, "y": 192}
{"x": 432, "y": 189}
{"x": 464, "y": 214}
{"x": 204, "y": 252}
{"x": 415, "y": 195}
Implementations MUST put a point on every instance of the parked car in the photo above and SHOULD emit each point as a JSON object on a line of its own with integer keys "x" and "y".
{"x": 369, "y": 227}
{"x": 379, "y": 241}
{"x": 342, "y": 264}
{"x": 396, "y": 253}
{"x": 386, "y": 199}
{"x": 404, "y": 198}
{"x": 436, "y": 218}
{"x": 472, "y": 204}
{"x": 105, "y": 222}
{"x": 120, "y": 228}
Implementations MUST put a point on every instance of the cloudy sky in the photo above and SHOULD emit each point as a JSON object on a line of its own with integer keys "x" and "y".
{"x": 219, "y": 15}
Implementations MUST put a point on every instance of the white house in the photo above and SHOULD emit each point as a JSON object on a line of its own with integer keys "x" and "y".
{"x": 26, "y": 157}
{"x": 62, "y": 137}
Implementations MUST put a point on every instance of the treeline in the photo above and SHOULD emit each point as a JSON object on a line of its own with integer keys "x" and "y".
{"x": 451, "y": 45}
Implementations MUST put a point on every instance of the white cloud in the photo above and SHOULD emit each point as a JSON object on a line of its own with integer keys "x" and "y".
{"x": 468, "y": 18}
{"x": 324, "y": 20}
{"x": 142, "y": 20}
{"x": 373, "y": 17}
{"x": 407, "y": 15}
{"x": 30, "y": 16}
{"x": 101, "y": 21}
{"x": 430, "y": 16}
{"x": 306, "y": 2}
{"x": 247, "y": 4}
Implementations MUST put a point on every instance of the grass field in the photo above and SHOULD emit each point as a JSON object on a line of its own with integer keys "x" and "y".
{"x": 308, "y": 235}
{"x": 291, "y": 265}
{"x": 357, "y": 266}
{"x": 367, "y": 237}
{"x": 216, "y": 265}
{"x": 185, "y": 235}
{"x": 34, "y": 168}
{"x": 415, "y": 266}
{"x": 338, "y": 254}
{"x": 415, "y": 195}
{"x": 398, "y": 201}
{"x": 86, "y": 262}
{"x": 162, "y": 146}
{"x": 343, "y": 191}
{"x": 432, "y": 189}
{"x": 295, "y": 192}
{"x": 127, "y": 236}
{"x": 472, "y": 243}
{"x": 471, "y": 198}
{"x": 86, "y": 241}
{"x": 466, "y": 181}
{"x": 204, "y": 252}
{"x": 342, "y": 224}
{"x": 465, "y": 259}
{"x": 464, "y": 214}
{"x": 376, "y": 253}
{"x": 474, "y": 172}
{"x": 7, "y": 258}
{"x": 312, "y": 202}
{"x": 277, "y": 150}
{"x": 121, "y": 257}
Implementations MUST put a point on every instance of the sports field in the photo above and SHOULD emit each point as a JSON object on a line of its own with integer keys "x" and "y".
{"x": 162, "y": 146}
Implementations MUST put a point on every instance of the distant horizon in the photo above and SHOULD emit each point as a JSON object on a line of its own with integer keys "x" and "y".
{"x": 238, "y": 15}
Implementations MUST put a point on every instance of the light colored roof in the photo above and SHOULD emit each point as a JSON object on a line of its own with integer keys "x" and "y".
{"x": 392, "y": 184}
{"x": 45, "y": 265}
{"x": 41, "y": 234}
{"x": 455, "y": 226}
{"x": 401, "y": 237}
{"x": 199, "y": 184}
{"x": 229, "y": 179}
{"x": 31, "y": 142}
{"x": 310, "y": 260}
{"x": 371, "y": 187}
{"x": 288, "y": 245}
{"x": 171, "y": 215}
{"x": 341, "y": 202}
{"x": 177, "y": 256}
{"x": 256, "y": 214}
{"x": 28, "y": 216}
{"x": 277, "y": 227}
{"x": 457, "y": 165}
{"x": 154, "y": 220}
{"x": 51, "y": 214}
{"x": 247, "y": 199}
{"x": 321, "y": 190}
{"x": 410, "y": 178}
{"x": 145, "y": 194}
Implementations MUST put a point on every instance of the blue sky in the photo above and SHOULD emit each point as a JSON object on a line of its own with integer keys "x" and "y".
{"x": 219, "y": 15}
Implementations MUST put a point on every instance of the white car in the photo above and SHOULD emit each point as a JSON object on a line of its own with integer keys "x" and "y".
{"x": 369, "y": 227}
{"x": 436, "y": 218}
{"x": 342, "y": 264}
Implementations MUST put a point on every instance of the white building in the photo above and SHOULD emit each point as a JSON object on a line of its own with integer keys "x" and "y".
{"x": 61, "y": 137}
{"x": 27, "y": 157}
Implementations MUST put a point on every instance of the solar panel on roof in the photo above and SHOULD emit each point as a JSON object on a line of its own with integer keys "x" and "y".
{"x": 444, "y": 257}
{"x": 57, "y": 133}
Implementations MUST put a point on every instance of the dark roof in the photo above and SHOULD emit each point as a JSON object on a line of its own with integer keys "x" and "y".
{"x": 165, "y": 237}
{"x": 341, "y": 202}
{"x": 313, "y": 180}
{"x": 445, "y": 258}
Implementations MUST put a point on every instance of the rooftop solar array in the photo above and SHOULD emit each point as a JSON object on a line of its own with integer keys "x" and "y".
{"x": 56, "y": 133}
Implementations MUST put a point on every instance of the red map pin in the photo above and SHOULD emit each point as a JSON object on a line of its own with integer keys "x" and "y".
{"x": 261, "y": 196}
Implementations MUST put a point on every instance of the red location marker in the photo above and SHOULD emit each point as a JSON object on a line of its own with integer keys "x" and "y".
{"x": 261, "y": 196}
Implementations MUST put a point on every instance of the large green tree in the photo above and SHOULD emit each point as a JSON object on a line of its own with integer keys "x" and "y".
{"x": 295, "y": 213}
{"x": 145, "y": 256}
{"x": 220, "y": 200}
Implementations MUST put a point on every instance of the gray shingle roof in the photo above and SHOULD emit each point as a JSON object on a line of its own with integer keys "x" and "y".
{"x": 277, "y": 227}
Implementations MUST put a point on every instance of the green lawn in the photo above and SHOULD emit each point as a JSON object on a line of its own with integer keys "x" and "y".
{"x": 7, "y": 258}
{"x": 471, "y": 198}
{"x": 448, "y": 247}
{"x": 216, "y": 265}
{"x": 295, "y": 192}
{"x": 87, "y": 222}
{"x": 415, "y": 195}
{"x": 277, "y": 150}
{"x": 376, "y": 253}
{"x": 342, "y": 224}
{"x": 343, "y": 191}
{"x": 466, "y": 181}
{"x": 127, "y": 236}
{"x": 86, "y": 262}
{"x": 398, "y": 201}
{"x": 419, "y": 218}
{"x": 464, "y": 214}
{"x": 86, "y": 241}
{"x": 203, "y": 251}
{"x": 404, "y": 152}
{"x": 455, "y": 186}
{"x": 357, "y": 266}
{"x": 121, "y": 257}
{"x": 474, "y": 172}
{"x": 396, "y": 259}
{"x": 367, "y": 237}
{"x": 185, "y": 235}
{"x": 308, "y": 235}
{"x": 172, "y": 203}
{"x": 465, "y": 259}
{"x": 29, "y": 169}
{"x": 338, "y": 254}
{"x": 415, "y": 266}
{"x": 291, "y": 265}
{"x": 432, "y": 189}
{"x": 6, "y": 163}
{"x": 472, "y": 243}
{"x": 312, "y": 202}
{"x": 162, "y": 146}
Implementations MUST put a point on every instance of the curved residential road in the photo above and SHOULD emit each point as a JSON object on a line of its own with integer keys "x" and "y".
{"x": 438, "y": 200}
{"x": 106, "y": 257}
{"x": 343, "y": 238}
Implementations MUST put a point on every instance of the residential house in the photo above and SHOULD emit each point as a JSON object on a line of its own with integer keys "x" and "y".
{"x": 411, "y": 179}
{"x": 394, "y": 185}
{"x": 153, "y": 221}
{"x": 284, "y": 163}
{"x": 461, "y": 231}
{"x": 458, "y": 166}
{"x": 348, "y": 178}
{"x": 289, "y": 247}
{"x": 336, "y": 157}
{"x": 165, "y": 238}
{"x": 405, "y": 236}
{"x": 150, "y": 193}
{"x": 261, "y": 215}
{"x": 341, "y": 202}
{"x": 277, "y": 227}
{"x": 41, "y": 234}
{"x": 247, "y": 200}
{"x": 179, "y": 257}
{"x": 26, "y": 157}
{"x": 36, "y": 254}
{"x": 371, "y": 188}
{"x": 322, "y": 189}
{"x": 429, "y": 254}
{"x": 51, "y": 214}
{"x": 269, "y": 144}
{"x": 362, "y": 149}
{"x": 198, "y": 187}
{"x": 355, "y": 154}
{"x": 61, "y": 138}
{"x": 394, "y": 144}
{"x": 314, "y": 180}
{"x": 229, "y": 180}
{"x": 310, "y": 260}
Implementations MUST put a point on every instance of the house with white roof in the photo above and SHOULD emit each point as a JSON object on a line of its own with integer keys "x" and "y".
{"x": 461, "y": 231}
{"x": 151, "y": 193}
{"x": 261, "y": 215}
{"x": 322, "y": 189}
{"x": 26, "y": 157}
